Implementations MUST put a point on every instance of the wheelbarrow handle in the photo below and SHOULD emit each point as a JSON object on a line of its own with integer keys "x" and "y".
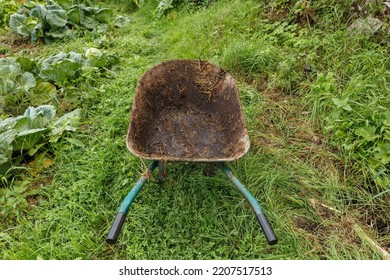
{"x": 116, "y": 227}
{"x": 265, "y": 225}
{"x": 267, "y": 229}
{"x": 112, "y": 236}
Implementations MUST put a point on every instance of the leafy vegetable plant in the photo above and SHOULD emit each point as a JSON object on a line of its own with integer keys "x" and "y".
{"x": 36, "y": 129}
{"x": 163, "y": 7}
{"x": 19, "y": 84}
{"x": 38, "y": 21}
{"x": 36, "y": 82}
{"x": 63, "y": 68}
{"x": 60, "y": 19}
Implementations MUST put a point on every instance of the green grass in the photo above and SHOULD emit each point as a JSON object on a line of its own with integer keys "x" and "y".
{"x": 314, "y": 191}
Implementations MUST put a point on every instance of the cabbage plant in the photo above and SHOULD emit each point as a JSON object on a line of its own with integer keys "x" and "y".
{"x": 36, "y": 129}
{"x": 58, "y": 19}
{"x": 19, "y": 85}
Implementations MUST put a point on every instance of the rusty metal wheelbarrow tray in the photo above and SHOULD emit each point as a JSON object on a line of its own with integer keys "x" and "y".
{"x": 187, "y": 110}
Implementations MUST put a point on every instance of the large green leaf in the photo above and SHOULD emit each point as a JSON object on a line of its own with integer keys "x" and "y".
{"x": 39, "y": 12}
{"x": 66, "y": 4}
{"x": 7, "y": 61}
{"x": 7, "y": 86}
{"x": 61, "y": 68}
{"x": 9, "y": 68}
{"x": 18, "y": 24}
{"x": 56, "y": 16}
{"x": 31, "y": 126}
{"x": 47, "y": 111}
{"x": 90, "y": 10}
{"x": 41, "y": 93}
{"x": 21, "y": 124}
{"x": 30, "y": 132}
{"x": 104, "y": 15}
{"x": 53, "y": 59}
{"x": 88, "y": 22}
{"x": 67, "y": 122}
{"x": 60, "y": 73}
{"x": 163, "y": 6}
{"x": 26, "y": 64}
{"x": 58, "y": 32}
{"x": 39, "y": 117}
{"x": 97, "y": 62}
{"x": 27, "y": 81}
{"x": 26, "y": 140}
{"x": 8, "y": 123}
{"x": 10, "y": 71}
{"x": 30, "y": 113}
{"x": 37, "y": 32}
{"x": 6, "y": 138}
{"x": 112, "y": 59}
{"x": 75, "y": 57}
{"x": 75, "y": 15}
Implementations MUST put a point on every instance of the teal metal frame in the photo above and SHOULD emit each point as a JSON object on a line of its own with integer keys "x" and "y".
{"x": 124, "y": 208}
{"x": 265, "y": 225}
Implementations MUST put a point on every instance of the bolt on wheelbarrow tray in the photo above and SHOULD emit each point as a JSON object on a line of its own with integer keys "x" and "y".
{"x": 187, "y": 110}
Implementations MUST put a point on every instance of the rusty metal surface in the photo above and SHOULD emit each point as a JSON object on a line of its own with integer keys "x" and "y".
{"x": 187, "y": 110}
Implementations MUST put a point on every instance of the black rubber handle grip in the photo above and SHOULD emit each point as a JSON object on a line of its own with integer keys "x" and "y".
{"x": 267, "y": 229}
{"x": 112, "y": 236}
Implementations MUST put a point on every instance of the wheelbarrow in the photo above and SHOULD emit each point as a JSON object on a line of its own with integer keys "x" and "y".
{"x": 187, "y": 110}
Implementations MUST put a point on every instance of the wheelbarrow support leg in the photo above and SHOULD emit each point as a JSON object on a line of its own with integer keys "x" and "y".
{"x": 162, "y": 172}
{"x": 265, "y": 225}
{"x": 121, "y": 216}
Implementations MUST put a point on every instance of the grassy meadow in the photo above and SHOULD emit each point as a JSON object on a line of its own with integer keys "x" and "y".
{"x": 315, "y": 95}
